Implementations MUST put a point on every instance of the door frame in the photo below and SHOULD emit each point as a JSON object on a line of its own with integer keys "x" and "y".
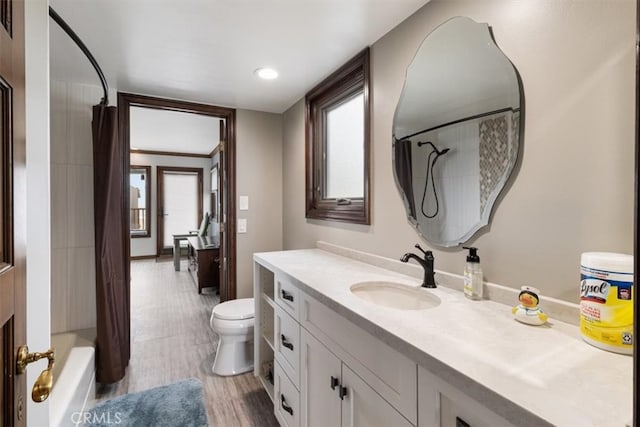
{"x": 13, "y": 226}
{"x": 227, "y": 171}
{"x": 160, "y": 170}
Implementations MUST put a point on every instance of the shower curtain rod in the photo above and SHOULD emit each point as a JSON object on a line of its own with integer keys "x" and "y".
{"x": 67, "y": 29}
{"x": 466, "y": 119}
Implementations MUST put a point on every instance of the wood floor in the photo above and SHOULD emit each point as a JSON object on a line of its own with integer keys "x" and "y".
{"x": 171, "y": 340}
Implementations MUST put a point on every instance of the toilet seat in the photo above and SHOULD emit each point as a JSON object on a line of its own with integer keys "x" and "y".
{"x": 238, "y": 309}
{"x": 232, "y": 327}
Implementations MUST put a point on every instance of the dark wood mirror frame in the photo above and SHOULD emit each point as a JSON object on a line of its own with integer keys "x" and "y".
{"x": 147, "y": 201}
{"x": 227, "y": 170}
{"x": 350, "y": 79}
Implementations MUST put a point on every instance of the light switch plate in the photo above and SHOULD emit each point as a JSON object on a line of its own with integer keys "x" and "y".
{"x": 244, "y": 203}
{"x": 242, "y": 225}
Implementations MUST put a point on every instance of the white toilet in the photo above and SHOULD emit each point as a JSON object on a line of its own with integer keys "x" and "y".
{"x": 233, "y": 322}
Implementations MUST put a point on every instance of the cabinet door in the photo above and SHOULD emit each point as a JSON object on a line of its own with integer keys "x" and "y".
{"x": 319, "y": 383}
{"x": 442, "y": 405}
{"x": 390, "y": 373}
{"x": 363, "y": 407}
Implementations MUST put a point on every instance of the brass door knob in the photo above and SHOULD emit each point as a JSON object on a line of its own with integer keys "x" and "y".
{"x": 44, "y": 382}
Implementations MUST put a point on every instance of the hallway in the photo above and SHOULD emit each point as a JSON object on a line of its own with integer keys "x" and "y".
{"x": 171, "y": 340}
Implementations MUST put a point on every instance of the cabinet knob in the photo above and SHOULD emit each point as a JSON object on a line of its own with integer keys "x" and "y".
{"x": 286, "y": 343}
{"x": 334, "y": 382}
{"x": 342, "y": 393}
{"x": 285, "y": 407}
{"x": 286, "y": 295}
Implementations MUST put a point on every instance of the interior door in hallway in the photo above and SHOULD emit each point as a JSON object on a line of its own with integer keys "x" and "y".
{"x": 218, "y": 209}
{"x": 13, "y": 401}
{"x": 179, "y": 204}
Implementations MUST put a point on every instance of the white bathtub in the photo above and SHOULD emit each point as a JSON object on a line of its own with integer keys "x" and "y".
{"x": 74, "y": 376}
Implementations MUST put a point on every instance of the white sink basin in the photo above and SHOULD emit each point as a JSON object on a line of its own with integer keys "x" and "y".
{"x": 395, "y": 295}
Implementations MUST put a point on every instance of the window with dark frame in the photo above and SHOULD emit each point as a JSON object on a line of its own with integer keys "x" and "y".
{"x": 139, "y": 201}
{"x": 337, "y": 145}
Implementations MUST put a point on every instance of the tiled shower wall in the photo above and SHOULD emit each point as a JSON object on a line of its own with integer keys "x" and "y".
{"x": 72, "y": 230}
{"x": 496, "y": 152}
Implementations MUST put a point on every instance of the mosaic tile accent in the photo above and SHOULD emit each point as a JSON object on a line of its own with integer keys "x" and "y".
{"x": 515, "y": 136}
{"x": 495, "y": 156}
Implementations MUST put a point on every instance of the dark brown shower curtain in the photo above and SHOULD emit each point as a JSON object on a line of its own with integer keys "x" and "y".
{"x": 110, "y": 179}
{"x": 404, "y": 172}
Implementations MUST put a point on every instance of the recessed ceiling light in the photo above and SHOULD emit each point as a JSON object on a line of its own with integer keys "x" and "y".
{"x": 266, "y": 73}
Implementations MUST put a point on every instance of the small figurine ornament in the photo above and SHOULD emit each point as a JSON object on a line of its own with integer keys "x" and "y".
{"x": 528, "y": 311}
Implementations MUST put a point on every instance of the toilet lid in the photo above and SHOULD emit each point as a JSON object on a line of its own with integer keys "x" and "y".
{"x": 236, "y": 309}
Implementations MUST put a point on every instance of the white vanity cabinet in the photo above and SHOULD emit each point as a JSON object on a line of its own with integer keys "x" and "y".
{"x": 328, "y": 358}
{"x": 441, "y": 405}
{"x": 320, "y": 369}
{"x": 326, "y": 370}
{"x": 333, "y": 395}
{"x": 388, "y": 374}
{"x": 286, "y": 341}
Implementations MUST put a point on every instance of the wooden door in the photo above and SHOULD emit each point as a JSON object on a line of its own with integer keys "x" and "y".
{"x": 227, "y": 171}
{"x": 13, "y": 211}
{"x": 222, "y": 256}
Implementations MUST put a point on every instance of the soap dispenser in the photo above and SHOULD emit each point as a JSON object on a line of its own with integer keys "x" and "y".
{"x": 472, "y": 275}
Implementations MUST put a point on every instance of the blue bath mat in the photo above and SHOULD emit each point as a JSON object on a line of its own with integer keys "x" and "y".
{"x": 174, "y": 405}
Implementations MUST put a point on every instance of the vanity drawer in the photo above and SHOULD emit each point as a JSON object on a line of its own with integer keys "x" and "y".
{"x": 287, "y": 344}
{"x": 286, "y": 400}
{"x": 286, "y": 295}
{"x": 390, "y": 373}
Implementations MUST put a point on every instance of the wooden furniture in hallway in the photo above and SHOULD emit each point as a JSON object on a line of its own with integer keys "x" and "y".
{"x": 204, "y": 266}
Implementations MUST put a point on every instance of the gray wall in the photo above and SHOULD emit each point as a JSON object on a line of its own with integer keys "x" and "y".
{"x": 259, "y": 175}
{"x": 574, "y": 190}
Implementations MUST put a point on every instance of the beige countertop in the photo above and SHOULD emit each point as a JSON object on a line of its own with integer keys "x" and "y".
{"x": 526, "y": 374}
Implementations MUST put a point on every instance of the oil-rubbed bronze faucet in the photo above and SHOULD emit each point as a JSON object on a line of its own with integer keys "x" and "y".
{"x": 426, "y": 263}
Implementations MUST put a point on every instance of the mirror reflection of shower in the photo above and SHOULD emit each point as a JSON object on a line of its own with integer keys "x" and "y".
{"x": 463, "y": 94}
{"x": 456, "y": 180}
{"x": 432, "y": 157}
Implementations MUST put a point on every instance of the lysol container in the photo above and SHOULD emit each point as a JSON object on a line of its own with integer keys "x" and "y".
{"x": 606, "y": 300}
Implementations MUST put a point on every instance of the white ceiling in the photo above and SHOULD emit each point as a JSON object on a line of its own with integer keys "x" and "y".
{"x": 206, "y": 50}
{"x": 171, "y": 131}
